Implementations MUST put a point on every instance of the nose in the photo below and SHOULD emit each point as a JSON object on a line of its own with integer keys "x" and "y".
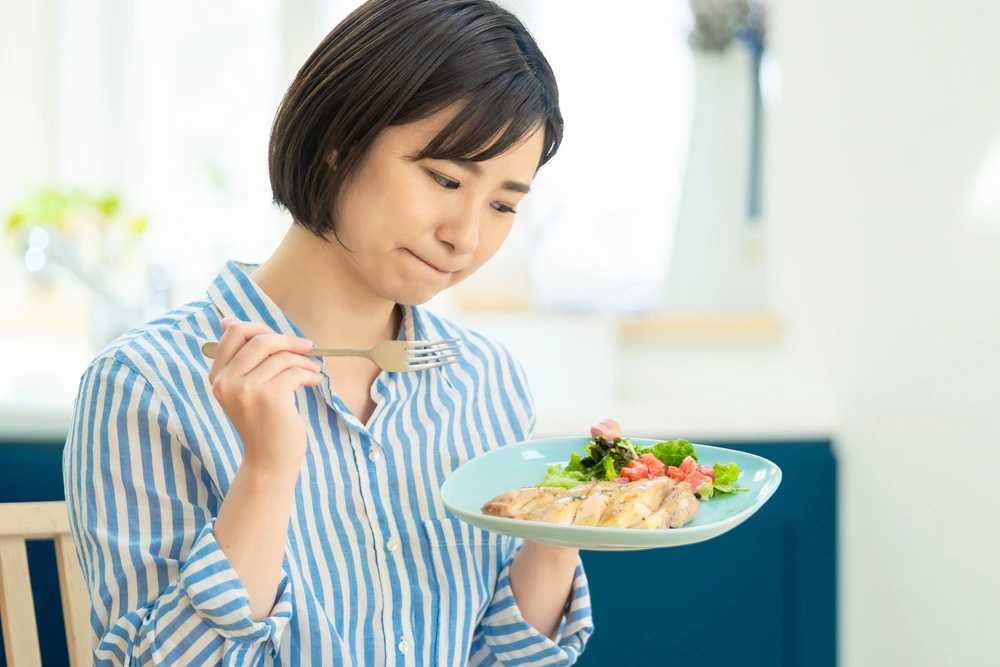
{"x": 460, "y": 232}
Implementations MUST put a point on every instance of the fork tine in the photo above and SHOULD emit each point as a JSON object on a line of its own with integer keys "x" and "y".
{"x": 430, "y": 354}
{"x": 413, "y": 361}
{"x": 426, "y": 345}
{"x": 428, "y": 366}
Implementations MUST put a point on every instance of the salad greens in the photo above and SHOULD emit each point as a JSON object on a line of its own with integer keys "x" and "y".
{"x": 606, "y": 458}
{"x": 672, "y": 452}
{"x": 725, "y": 481}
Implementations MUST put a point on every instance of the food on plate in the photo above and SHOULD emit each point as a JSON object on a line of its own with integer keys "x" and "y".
{"x": 648, "y": 504}
{"x": 619, "y": 460}
{"x": 619, "y": 485}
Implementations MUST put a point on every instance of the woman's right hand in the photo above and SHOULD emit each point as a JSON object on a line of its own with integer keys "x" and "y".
{"x": 254, "y": 377}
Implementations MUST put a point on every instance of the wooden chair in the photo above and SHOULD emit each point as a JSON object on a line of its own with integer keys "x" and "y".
{"x": 20, "y": 522}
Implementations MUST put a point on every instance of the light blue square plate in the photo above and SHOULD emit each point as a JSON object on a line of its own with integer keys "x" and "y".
{"x": 483, "y": 478}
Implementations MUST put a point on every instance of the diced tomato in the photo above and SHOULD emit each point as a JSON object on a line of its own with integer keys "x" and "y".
{"x": 707, "y": 470}
{"x": 688, "y": 465}
{"x": 656, "y": 467}
{"x": 676, "y": 474}
{"x": 621, "y": 480}
{"x": 696, "y": 479}
{"x": 635, "y": 470}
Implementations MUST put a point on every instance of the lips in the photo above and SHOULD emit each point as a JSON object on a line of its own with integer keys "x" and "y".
{"x": 433, "y": 266}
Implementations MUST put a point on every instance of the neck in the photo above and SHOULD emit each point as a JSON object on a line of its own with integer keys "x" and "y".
{"x": 316, "y": 285}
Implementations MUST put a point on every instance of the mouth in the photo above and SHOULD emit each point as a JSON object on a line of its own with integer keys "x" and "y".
{"x": 430, "y": 266}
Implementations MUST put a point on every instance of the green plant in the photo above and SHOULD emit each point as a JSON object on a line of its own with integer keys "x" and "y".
{"x": 67, "y": 211}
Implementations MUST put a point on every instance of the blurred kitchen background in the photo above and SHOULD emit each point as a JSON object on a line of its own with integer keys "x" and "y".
{"x": 773, "y": 225}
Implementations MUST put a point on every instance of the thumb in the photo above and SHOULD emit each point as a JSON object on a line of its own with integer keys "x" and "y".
{"x": 609, "y": 428}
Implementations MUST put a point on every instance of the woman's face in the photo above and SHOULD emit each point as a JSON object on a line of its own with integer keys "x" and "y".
{"x": 416, "y": 228}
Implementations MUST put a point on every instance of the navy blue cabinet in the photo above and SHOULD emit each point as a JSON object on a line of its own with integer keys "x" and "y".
{"x": 763, "y": 595}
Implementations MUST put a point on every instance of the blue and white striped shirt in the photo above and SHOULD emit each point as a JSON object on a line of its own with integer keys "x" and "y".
{"x": 375, "y": 571}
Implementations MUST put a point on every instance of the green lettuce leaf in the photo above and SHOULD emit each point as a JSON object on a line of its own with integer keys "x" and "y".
{"x": 575, "y": 465}
{"x": 725, "y": 480}
{"x": 570, "y": 475}
{"x": 610, "y": 472}
{"x": 672, "y": 452}
{"x": 726, "y": 474}
{"x": 558, "y": 476}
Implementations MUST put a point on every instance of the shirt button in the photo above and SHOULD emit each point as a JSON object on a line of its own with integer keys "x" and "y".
{"x": 392, "y": 544}
{"x": 373, "y": 455}
{"x": 403, "y": 646}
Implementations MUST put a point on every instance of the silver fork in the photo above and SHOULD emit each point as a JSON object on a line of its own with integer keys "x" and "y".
{"x": 395, "y": 356}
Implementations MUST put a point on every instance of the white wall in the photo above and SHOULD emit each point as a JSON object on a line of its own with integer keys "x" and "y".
{"x": 888, "y": 112}
{"x": 27, "y": 66}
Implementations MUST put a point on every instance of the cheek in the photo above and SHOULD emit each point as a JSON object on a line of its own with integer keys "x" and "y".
{"x": 388, "y": 208}
{"x": 491, "y": 238}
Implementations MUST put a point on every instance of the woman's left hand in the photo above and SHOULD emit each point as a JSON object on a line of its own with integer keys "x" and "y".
{"x": 541, "y": 575}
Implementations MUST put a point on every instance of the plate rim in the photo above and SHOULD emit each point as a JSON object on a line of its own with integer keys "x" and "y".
{"x": 727, "y": 523}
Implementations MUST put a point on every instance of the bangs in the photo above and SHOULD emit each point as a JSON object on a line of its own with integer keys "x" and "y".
{"x": 498, "y": 118}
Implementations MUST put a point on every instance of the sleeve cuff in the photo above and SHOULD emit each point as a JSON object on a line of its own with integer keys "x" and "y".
{"x": 218, "y": 596}
{"x": 513, "y": 641}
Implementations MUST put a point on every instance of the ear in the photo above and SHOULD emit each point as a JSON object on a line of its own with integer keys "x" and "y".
{"x": 331, "y": 160}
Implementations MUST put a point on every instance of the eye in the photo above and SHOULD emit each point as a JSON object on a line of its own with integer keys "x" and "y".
{"x": 442, "y": 181}
{"x": 503, "y": 208}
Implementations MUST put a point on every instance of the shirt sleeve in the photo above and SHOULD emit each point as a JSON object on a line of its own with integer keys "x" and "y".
{"x": 504, "y": 637}
{"x": 162, "y": 591}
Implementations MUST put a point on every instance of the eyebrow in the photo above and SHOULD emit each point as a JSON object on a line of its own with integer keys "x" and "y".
{"x": 475, "y": 168}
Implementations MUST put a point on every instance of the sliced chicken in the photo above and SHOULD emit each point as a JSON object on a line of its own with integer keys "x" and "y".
{"x": 653, "y": 494}
{"x": 594, "y": 487}
{"x": 592, "y": 507}
{"x": 647, "y": 504}
{"x": 511, "y": 503}
{"x": 686, "y": 507}
{"x": 545, "y": 498}
{"x": 681, "y": 502}
{"x": 635, "y": 502}
{"x": 560, "y": 510}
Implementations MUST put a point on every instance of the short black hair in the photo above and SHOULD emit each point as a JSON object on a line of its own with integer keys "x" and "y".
{"x": 393, "y": 62}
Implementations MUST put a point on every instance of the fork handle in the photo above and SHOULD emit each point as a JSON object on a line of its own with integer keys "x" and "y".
{"x": 336, "y": 352}
{"x": 209, "y": 350}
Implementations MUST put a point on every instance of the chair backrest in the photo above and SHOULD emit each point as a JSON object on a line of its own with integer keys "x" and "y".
{"x": 20, "y": 522}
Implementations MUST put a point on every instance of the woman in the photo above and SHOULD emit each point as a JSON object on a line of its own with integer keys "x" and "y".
{"x": 274, "y": 509}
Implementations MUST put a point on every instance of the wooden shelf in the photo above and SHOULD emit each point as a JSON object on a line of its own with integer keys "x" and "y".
{"x": 760, "y": 325}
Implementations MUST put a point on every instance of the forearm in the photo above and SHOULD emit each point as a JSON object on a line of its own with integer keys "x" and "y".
{"x": 251, "y": 530}
{"x": 541, "y": 578}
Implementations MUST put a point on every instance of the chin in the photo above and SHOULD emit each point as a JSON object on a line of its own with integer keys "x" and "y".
{"x": 412, "y": 295}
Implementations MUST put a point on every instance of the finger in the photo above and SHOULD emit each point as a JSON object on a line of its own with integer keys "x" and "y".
{"x": 278, "y": 362}
{"x": 291, "y": 379}
{"x": 609, "y": 428}
{"x": 234, "y": 337}
{"x": 254, "y": 351}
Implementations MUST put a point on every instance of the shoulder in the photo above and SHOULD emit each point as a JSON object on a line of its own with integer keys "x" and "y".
{"x": 163, "y": 353}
